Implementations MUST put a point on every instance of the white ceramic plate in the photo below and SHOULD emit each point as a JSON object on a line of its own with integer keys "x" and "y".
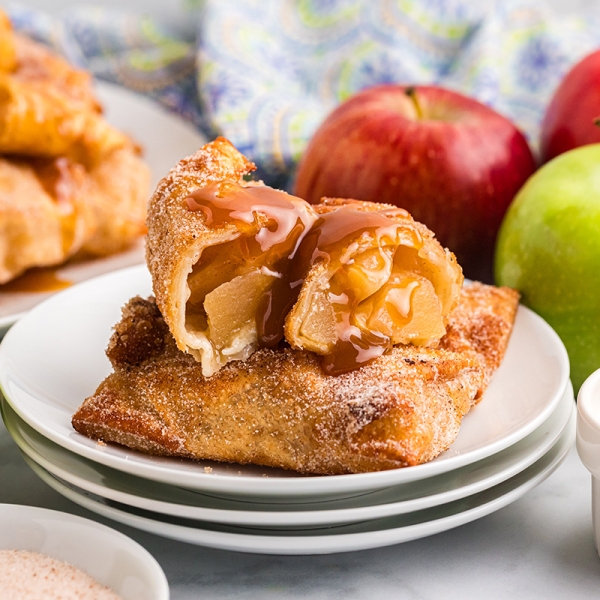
{"x": 54, "y": 357}
{"x": 111, "y": 558}
{"x": 165, "y": 137}
{"x": 343, "y": 538}
{"x": 169, "y": 500}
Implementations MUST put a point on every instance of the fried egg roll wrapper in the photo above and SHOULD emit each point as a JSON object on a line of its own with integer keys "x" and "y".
{"x": 482, "y": 323}
{"x": 42, "y": 218}
{"x": 48, "y": 108}
{"x": 279, "y": 409}
{"x": 218, "y": 249}
{"x": 8, "y": 54}
{"x": 51, "y": 209}
{"x": 374, "y": 277}
{"x": 117, "y": 191}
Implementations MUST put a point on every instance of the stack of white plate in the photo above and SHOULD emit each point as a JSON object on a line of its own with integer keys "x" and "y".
{"x": 53, "y": 358}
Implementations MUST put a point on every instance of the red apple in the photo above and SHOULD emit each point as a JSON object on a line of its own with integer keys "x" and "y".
{"x": 575, "y": 106}
{"x": 452, "y": 162}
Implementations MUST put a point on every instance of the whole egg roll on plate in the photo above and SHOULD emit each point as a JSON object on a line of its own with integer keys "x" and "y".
{"x": 279, "y": 409}
{"x": 69, "y": 182}
{"x": 53, "y": 208}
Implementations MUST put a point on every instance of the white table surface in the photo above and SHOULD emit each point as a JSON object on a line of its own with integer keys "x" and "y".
{"x": 540, "y": 547}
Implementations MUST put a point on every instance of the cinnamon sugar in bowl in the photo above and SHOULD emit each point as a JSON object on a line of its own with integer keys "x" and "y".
{"x": 45, "y": 552}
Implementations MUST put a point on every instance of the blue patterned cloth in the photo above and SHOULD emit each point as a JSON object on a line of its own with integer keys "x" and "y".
{"x": 265, "y": 74}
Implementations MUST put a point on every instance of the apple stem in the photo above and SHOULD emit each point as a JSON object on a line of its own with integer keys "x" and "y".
{"x": 411, "y": 92}
{"x": 597, "y": 121}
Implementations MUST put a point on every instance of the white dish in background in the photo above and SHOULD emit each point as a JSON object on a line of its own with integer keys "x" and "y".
{"x": 165, "y": 138}
{"x": 53, "y": 358}
{"x": 110, "y": 557}
{"x": 342, "y": 538}
{"x": 173, "y": 501}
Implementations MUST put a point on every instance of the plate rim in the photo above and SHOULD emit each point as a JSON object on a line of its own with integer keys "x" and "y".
{"x": 294, "y": 486}
{"x": 343, "y": 542}
{"x": 304, "y": 517}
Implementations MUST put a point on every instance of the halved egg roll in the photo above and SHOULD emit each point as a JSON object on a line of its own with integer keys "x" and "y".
{"x": 279, "y": 409}
{"x": 220, "y": 250}
{"x": 374, "y": 278}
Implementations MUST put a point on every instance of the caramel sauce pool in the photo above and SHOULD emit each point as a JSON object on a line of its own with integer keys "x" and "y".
{"x": 36, "y": 280}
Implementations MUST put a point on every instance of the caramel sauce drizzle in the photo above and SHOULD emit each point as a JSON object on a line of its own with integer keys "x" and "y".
{"x": 276, "y": 223}
{"x": 339, "y": 237}
{"x": 57, "y": 177}
{"x": 286, "y": 237}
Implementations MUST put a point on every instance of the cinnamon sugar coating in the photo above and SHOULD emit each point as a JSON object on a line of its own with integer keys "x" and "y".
{"x": 482, "y": 323}
{"x": 278, "y": 408}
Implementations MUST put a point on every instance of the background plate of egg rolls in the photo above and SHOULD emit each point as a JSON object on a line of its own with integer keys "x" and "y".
{"x": 164, "y": 139}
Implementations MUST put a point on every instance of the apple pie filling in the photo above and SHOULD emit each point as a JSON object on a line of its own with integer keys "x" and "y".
{"x": 348, "y": 279}
{"x": 375, "y": 278}
{"x": 240, "y": 288}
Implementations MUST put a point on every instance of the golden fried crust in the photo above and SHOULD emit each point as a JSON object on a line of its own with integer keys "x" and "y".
{"x": 8, "y": 54}
{"x": 40, "y": 225}
{"x": 278, "y": 408}
{"x": 34, "y": 63}
{"x": 48, "y": 108}
{"x": 176, "y": 235}
{"x": 116, "y": 190}
{"x": 482, "y": 323}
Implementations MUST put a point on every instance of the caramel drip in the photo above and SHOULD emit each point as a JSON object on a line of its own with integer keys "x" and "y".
{"x": 339, "y": 237}
{"x": 273, "y": 224}
{"x": 36, "y": 280}
{"x": 57, "y": 177}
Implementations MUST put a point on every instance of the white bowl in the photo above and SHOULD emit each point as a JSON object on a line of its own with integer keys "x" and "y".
{"x": 111, "y": 558}
{"x": 588, "y": 440}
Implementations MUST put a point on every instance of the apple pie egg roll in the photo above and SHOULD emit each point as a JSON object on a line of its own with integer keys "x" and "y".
{"x": 374, "y": 278}
{"x": 52, "y": 208}
{"x": 48, "y": 108}
{"x": 220, "y": 250}
{"x": 280, "y": 410}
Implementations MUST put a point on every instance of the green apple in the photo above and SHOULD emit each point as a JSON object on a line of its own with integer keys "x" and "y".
{"x": 548, "y": 249}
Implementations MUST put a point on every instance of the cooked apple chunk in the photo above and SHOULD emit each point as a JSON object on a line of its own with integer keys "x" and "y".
{"x": 375, "y": 278}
